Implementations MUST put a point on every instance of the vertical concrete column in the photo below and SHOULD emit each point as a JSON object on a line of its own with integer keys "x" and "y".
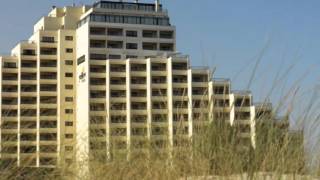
{"x": 170, "y": 100}
{"x": 232, "y": 109}
{"x": 128, "y": 103}
{"x": 253, "y": 126}
{"x": 210, "y": 100}
{"x": 149, "y": 96}
{"x": 19, "y": 108}
{"x": 108, "y": 116}
{"x": 190, "y": 104}
{"x": 60, "y": 73}
{"x": 38, "y": 100}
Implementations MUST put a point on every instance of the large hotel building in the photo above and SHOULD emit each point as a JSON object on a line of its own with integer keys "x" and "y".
{"x": 107, "y": 78}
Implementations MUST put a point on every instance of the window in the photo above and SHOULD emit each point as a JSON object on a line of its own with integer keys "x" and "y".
{"x": 68, "y": 148}
{"x": 68, "y": 75}
{"x": 69, "y": 38}
{"x": 69, "y": 99}
{"x": 149, "y": 46}
{"x": 115, "y": 32}
{"x": 115, "y": 44}
{"x": 68, "y": 111}
{"x": 67, "y": 123}
{"x": 132, "y": 46}
{"x": 113, "y": 56}
{"x": 98, "y": 56}
{"x": 68, "y": 86}
{"x": 166, "y": 34}
{"x": 132, "y": 34}
{"x": 150, "y": 34}
{"x": 68, "y": 62}
{"x": 131, "y": 57}
{"x": 68, "y": 136}
{"x": 47, "y": 39}
{"x": 69, "y": 50}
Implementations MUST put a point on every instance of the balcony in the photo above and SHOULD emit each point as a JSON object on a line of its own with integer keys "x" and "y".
{"x": 27, "y": 65}
{"x": 149, "y": 46}
{"x": 118, "y": 106}
{"x": 117, "y": 81}
{"x": 138, "y": 80}
{"x": 97, "y": 107}
{"x": 48, "y": 87}
{"x": 28, "y": 76}
{"x": 97, "y": 31}
{"x": 166, "y": 34}
{"x": 180, "y": 79}
{"x": 9, "y": 77}
{"x": 138, "y": 119}
{"x": 97, "y": 81}
{"x": 159, "y": 79}
{"x": 149, "y": 34}
{"x": 159, "y": 92}
{"x": 166, "y": 47}
{"x": 138, "y": 93}
{"x": 117, "y": 68}
{"x": 115, "y": 32}
{"x": 159, "y": 105}
{"x": 47, "y": 39}
{"x": 97, "y": 69}
{"x": 97, "y": 94}
{"x": 9, "y": 65}
{"x": 118, "y": 119}
{"x": 28, "y": 100}
{"x": 115, "y": 44}
{"x": 48, "y": 51}
{"x": 28, "y": 52}
{"x": 97, "y": 44}
{"x": 138, "y": 106}
{"x": 48, "y": 63}
{"x": 138, "y": 67}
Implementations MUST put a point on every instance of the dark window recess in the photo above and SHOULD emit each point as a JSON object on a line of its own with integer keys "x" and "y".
{"x": 69, "y": 86}
{"x": 47, "y": 39}
{"x": 97, "y": 31}
{"x": 68, "y": 75}
{"x": 166, "y": 34}
{"x": 149, "y": 34}
{"x": 9, "y": 65}
{"x": 81, "y": 59}
{"x": 29, "y": 52}
{"x": 166, "y": 47}
{"x": 115, "y": 32}
{"x": 48, "y": 51}
{"x": 69, "y": 50}
{"x": 113, "y": 56}
{"x": 149, "y": 46}
{"x": 131, "y": 33}
{"x": 98, "y": 56}
{"x": 97, "y": 43}
{"x": 131, "y": 46}
{"x": 28, "y": 64}
{"x": 115, "y": 44}
{"x": 68, "y": 62}
{"x": 69, "y": 38}
{"x": 131, "y": 57}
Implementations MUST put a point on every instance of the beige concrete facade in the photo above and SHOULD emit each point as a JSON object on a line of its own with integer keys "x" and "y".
{"x": 107, "y": 76}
